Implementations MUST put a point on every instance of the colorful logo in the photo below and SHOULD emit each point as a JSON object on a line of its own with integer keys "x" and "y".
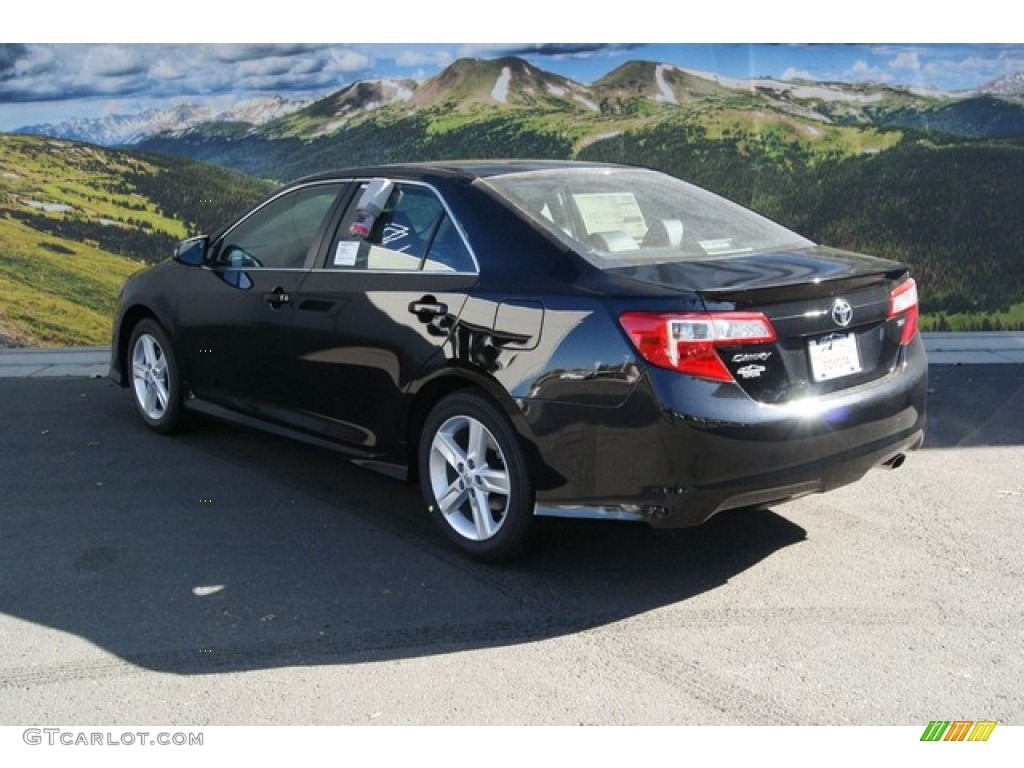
{"x": 958, "y": 730}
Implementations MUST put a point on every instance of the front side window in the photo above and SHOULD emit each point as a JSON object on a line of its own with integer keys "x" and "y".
{"x": 414, "y": 232}
{"x": 633, "y": 216}
{"x": 279, "y": 234}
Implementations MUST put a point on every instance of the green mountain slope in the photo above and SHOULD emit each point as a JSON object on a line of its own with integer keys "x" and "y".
{"x": 508, "y": 107}
{"x": 953, "y": 210}
{"x": 866, "y": 167}
{"x": 76, "y": 220}
{"x": 981, "y": 117}
{"x": 825, "y": 162}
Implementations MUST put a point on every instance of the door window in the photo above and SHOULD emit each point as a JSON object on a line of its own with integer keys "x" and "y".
{"x": 279, "y": 234}
{"x": 412, "y": 233}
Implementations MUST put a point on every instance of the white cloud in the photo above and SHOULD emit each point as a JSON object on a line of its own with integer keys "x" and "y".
{"x": 797, "y": 74}
{"x": 862, "y": 71}
{"x": 232, "y": 52}
{"x": 970, "y": 71}
{"x": 167, "y": 69}
{"x": 38, "y": 59}
{"x": 265, "y": 67}
{"x": 906, "y": 60}
{"x": 114, "y": 61}
{"x": 76, "y": 71}
{"x": 423, "y": 58}
{"x": 348, "y": 60}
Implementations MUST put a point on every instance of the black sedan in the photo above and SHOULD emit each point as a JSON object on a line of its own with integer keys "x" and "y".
{"x": 536, "y": 338}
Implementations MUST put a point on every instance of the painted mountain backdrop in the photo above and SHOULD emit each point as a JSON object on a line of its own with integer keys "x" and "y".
{"x": 130, "y": 129}
{"x": 77, "y": 219}
{"x": 637, "y": 88}
{"x": 934, "y": 179}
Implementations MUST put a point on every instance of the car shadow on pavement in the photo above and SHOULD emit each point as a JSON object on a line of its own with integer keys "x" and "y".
{"x": 222, "y": 550}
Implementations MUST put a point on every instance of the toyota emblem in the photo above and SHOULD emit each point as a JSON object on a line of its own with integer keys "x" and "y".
{"x": 842, "y": 312}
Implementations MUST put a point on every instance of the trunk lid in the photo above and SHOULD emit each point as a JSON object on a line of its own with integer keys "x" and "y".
{"x": 830, "y": 310}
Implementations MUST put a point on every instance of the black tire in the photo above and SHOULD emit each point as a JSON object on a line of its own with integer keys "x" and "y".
{"x": 474, "y": 477}
{"x": 155, "y": 377}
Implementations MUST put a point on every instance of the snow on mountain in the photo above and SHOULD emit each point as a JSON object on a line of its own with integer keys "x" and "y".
{"x": 866, "y": 93}
{"x": 500, "y": 91}
{"x": 508, "y": 82}
{"x": 354, "y": 101}
{"x": 131, "y": 129}
{"x": 799, "y": 90}
{"x": 261, "y": 110}
{"x": 665, "y": 92}
{"x": 1007, "y": 86}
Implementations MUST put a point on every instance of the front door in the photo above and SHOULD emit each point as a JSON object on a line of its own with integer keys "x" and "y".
{"x": 236, "y": 320}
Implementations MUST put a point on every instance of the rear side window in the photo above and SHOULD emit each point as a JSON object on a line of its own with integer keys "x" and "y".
{"x": 280, "y": 234}
{"x": 414, "y": 232}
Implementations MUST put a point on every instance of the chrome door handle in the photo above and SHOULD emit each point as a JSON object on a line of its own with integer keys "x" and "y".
{"x": 428, "y": 307}
{"x": 277, "y": 298}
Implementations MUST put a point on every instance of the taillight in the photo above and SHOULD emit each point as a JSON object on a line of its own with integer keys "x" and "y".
{"x": 687, "y": 342}
{"x": 903, "y": 305}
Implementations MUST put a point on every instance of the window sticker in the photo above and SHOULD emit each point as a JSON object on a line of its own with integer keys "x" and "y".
{"x": 346, "y": 252}
{"x": 611, "y": 211}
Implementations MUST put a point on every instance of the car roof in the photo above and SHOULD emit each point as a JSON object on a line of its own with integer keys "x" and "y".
{"x": 466, "y": 169}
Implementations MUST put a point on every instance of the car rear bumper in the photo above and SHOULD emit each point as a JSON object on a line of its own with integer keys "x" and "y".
{"x": 681, "y": 449}
{"x": 695, "y": 505}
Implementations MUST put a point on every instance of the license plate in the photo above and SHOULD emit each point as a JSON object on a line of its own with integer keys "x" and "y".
{"x": 834, "y": 356}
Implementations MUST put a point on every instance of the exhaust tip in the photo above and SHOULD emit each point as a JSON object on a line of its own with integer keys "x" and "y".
{"x": 896, "y": 461}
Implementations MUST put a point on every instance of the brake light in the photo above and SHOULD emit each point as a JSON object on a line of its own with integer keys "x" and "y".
{"x": 688, "y": 342}
{"x": 903, "y": 305}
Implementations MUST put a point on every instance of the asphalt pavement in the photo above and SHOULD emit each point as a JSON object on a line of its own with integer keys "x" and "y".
{"x": 228, "y": 577}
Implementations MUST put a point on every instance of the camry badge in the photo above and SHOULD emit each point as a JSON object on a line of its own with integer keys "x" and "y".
{"x": 842, "y": 312}
{"x": 746, "y": 357}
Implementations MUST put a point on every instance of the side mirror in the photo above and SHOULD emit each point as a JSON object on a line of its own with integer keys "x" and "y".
{"x": 192, "y": 252}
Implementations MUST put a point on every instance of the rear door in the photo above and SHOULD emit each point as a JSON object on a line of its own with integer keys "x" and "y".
{"x": 374, "y": 312}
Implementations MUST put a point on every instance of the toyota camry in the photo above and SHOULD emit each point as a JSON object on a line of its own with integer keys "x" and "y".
{"x": 535, "y": 339}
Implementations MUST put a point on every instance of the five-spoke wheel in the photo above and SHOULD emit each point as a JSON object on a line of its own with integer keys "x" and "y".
{"x": 474, "y": 477}
{"x": 156, "y": 381}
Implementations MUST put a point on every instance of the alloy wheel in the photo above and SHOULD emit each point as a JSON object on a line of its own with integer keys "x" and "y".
{"x": 469, "y": 477}
{"x": 150, "y": 377}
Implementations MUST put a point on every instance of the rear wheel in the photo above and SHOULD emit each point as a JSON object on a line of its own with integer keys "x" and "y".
{"x": 156, "y": 378}
{"x": 474, "y": 477}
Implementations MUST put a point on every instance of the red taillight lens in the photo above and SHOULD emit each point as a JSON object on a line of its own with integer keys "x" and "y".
{"x": 687, "y": 342}
{"x": 903, "y": 305}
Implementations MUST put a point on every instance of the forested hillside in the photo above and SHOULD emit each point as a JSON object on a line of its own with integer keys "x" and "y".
{"x": 953, "y": 210}
{"x": 936, "y": 182}
{"x": 76, "y": 220}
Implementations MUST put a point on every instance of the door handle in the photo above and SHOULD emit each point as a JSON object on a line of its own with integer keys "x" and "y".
{"x": 428, "y": 307}
{"x": 277, "y": 298}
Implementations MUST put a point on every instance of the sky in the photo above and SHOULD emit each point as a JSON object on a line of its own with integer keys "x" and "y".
{"x": 43, "y": 81}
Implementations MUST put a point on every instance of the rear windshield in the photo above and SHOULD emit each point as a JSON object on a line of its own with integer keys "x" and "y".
{"x": 617, "y": 217}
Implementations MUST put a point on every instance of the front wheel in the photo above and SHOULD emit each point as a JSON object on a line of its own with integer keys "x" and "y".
{"x": 156, "y": 378}
{"x": 474, "y": 477}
